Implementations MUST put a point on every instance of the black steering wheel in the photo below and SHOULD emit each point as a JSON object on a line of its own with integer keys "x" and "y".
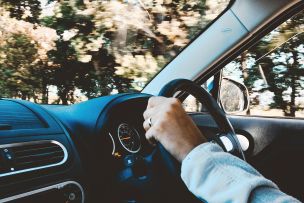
{"x": 219, "y": 116}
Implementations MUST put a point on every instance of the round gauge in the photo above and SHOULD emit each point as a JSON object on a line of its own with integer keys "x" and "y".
{"x": 129, "y": 138}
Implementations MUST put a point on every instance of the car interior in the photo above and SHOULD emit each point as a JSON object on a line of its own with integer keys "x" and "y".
{"x": 96, "y": 151}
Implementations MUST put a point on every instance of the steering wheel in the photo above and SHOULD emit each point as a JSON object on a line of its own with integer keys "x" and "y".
{"x": 224, "y": 126}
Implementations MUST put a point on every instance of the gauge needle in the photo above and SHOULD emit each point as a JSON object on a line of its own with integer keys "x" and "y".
{"x": 125, "y": 138}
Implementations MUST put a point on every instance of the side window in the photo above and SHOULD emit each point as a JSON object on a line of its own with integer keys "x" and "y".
{"x": 191, "y": 104}
{"x": 273, "y": 71}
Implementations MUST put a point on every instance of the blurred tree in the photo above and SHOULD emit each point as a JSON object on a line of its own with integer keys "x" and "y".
{"x": 27, "y": 10}
{"x": 144, "y": 36}
{"x": 107, "y": 46}
{"x": 278, "y": 62}
{"x": 286, "y": 74}
{"x": 88, "y": 68}
{"x": 17, "y": 72}
{"x": 23, "y": 59}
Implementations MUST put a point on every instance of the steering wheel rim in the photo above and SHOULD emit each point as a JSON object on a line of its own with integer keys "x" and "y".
{"x": 218, "y": 115}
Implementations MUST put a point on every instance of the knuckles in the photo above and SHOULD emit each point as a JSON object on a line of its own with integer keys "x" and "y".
{"x": 172, "y": 108}
{"x": 168, "y": 110}
{"x": 144, "y": 126}
{"x": 174, "y": 102}
{"x": 145, "y": 114}
{"x": 160, "y": 126}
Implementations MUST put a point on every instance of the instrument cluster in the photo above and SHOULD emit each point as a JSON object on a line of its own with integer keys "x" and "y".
{"x": 125, "y": 139}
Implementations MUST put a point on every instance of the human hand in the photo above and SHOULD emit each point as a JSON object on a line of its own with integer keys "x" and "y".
{"x": 171, "y": 126}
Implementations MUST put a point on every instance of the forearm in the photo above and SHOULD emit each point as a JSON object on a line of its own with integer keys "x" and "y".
{"x": 215, "y": 176}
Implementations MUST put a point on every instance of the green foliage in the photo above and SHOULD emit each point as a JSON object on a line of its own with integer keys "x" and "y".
{"x": 102, "y": 46}
{"x": 17, "y": 69}
{"x": 71, "y": 73}
{"x": 28, "y": 10}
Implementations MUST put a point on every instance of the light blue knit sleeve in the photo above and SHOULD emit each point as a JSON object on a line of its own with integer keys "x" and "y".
{"x": 215, "y": 176}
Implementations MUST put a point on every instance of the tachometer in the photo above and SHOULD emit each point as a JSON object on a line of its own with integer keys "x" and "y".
{"x": 129, "y": 138}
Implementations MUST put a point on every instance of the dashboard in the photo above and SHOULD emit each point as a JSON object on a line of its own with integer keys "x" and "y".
{"x": 55, "y": 153}
{"x": 90, "y": 152}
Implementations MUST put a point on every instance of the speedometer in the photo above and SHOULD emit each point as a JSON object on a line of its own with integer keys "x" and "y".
{"x": 129, "y": 138}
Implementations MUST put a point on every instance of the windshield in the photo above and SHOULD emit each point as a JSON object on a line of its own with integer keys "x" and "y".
{"x": 63, "y": 52}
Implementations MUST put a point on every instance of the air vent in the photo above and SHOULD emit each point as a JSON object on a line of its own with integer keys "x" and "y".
{"x": 29, "y": 156}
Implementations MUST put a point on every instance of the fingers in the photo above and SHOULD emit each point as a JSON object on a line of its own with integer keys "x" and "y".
{"x": 150, "y": 136}
{"x": 146, "y": 125}
{"x": 153, "y": 111}
{"x": 154, "y": 101}
{"x": 148, "y": 113}
{"x": 149, "y": 132}
{"x": 154, "y": 104}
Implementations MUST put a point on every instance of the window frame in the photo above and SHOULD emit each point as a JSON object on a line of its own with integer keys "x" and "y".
{"x": 249, "y": 42}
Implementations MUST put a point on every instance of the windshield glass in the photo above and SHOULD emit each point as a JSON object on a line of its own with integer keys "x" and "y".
{"x": 62, "y": 52}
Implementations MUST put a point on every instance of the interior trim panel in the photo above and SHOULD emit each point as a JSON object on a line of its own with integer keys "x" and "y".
{"x": 45, "y": 189}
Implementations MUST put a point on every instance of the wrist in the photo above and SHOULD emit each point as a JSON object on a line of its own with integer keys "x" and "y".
{"x": 187, "y": 150}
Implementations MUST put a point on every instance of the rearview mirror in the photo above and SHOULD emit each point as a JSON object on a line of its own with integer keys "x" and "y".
{"x": 234, "y": 96}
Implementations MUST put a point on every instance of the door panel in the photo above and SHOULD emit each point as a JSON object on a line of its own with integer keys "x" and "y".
{"x": 276, "y": 147}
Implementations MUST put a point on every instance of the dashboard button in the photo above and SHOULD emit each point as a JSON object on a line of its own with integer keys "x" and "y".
{"x": 129, "y": 160}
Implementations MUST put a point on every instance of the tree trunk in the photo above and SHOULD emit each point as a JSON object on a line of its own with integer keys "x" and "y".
{"x": 45, "y": 94}
{"x": 23, "y": 96}
{"x": 294, "y": 66}
{"x": 63, "y": 95}
{"x": 291, "y": 107}
{"x": 244, "y": 65}
{"x": 245, "y": 72}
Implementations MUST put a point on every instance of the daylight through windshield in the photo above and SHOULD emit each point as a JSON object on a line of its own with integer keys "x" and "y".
{"x": 62, "y": 52}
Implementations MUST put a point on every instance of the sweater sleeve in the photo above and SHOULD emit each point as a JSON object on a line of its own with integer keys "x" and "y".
{"x": 213, "y": 175}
